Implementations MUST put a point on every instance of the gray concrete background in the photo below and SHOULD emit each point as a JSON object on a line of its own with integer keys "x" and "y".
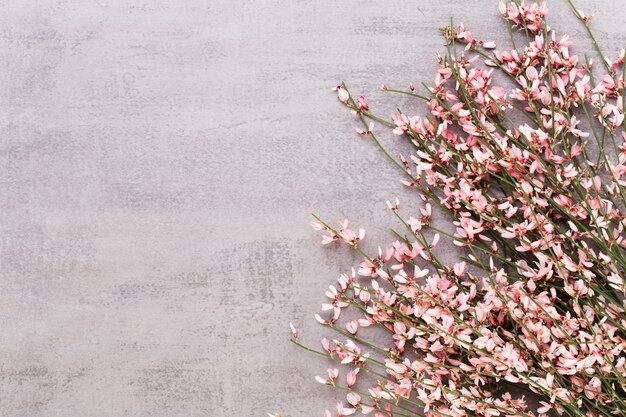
{"x": 158, "y": 161}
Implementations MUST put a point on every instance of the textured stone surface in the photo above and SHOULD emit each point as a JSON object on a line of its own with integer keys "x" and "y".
{"x": 158, "y": 163}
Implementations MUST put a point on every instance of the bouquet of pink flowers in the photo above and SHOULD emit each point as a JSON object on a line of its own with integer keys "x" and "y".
{"x": 536, "y": 305}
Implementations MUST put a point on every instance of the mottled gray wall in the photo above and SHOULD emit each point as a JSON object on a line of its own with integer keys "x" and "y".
{"x": 158, "y": 161}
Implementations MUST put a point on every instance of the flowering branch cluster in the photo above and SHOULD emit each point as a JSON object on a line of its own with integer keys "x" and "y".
{"x": 537, "y": 303}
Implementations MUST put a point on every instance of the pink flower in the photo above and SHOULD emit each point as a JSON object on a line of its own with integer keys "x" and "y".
{"x": 395, "y": 206}
{"x": 342, "y": 94}
{"x": 362, "y": 103}
{"x": 342, "y": 411}
{"x": 326, "y": 239}
{"x": 352, "y": 326}
{"x": 579, "y": 14}
{"x": 370, "y": 128}
{"x": 350, "y": 236}
{"x": 332, "y": 377}
{"x": 326, "y": 345}
{"x": 401, "y": 122}
{"x": 294, "y": 332}
{"x": 545, "y": 407}
{"x": 351, "y": 377}
{"x": 353, "y": 399}
{"x": 468, "y": 230}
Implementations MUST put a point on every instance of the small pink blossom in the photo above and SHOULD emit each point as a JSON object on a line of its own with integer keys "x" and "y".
{"x": 351, "y": 377}
{"x": 352, "y": 326}
{"x": 343, "y": 411}
{"x": 362, "y": 103}
{"x": 294, "y": 332}
{"x": 342, "y": 94}
{"x": 370, "y": 128}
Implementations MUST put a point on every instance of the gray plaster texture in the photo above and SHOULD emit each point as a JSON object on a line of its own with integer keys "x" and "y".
{"x": 158, "y": 164}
